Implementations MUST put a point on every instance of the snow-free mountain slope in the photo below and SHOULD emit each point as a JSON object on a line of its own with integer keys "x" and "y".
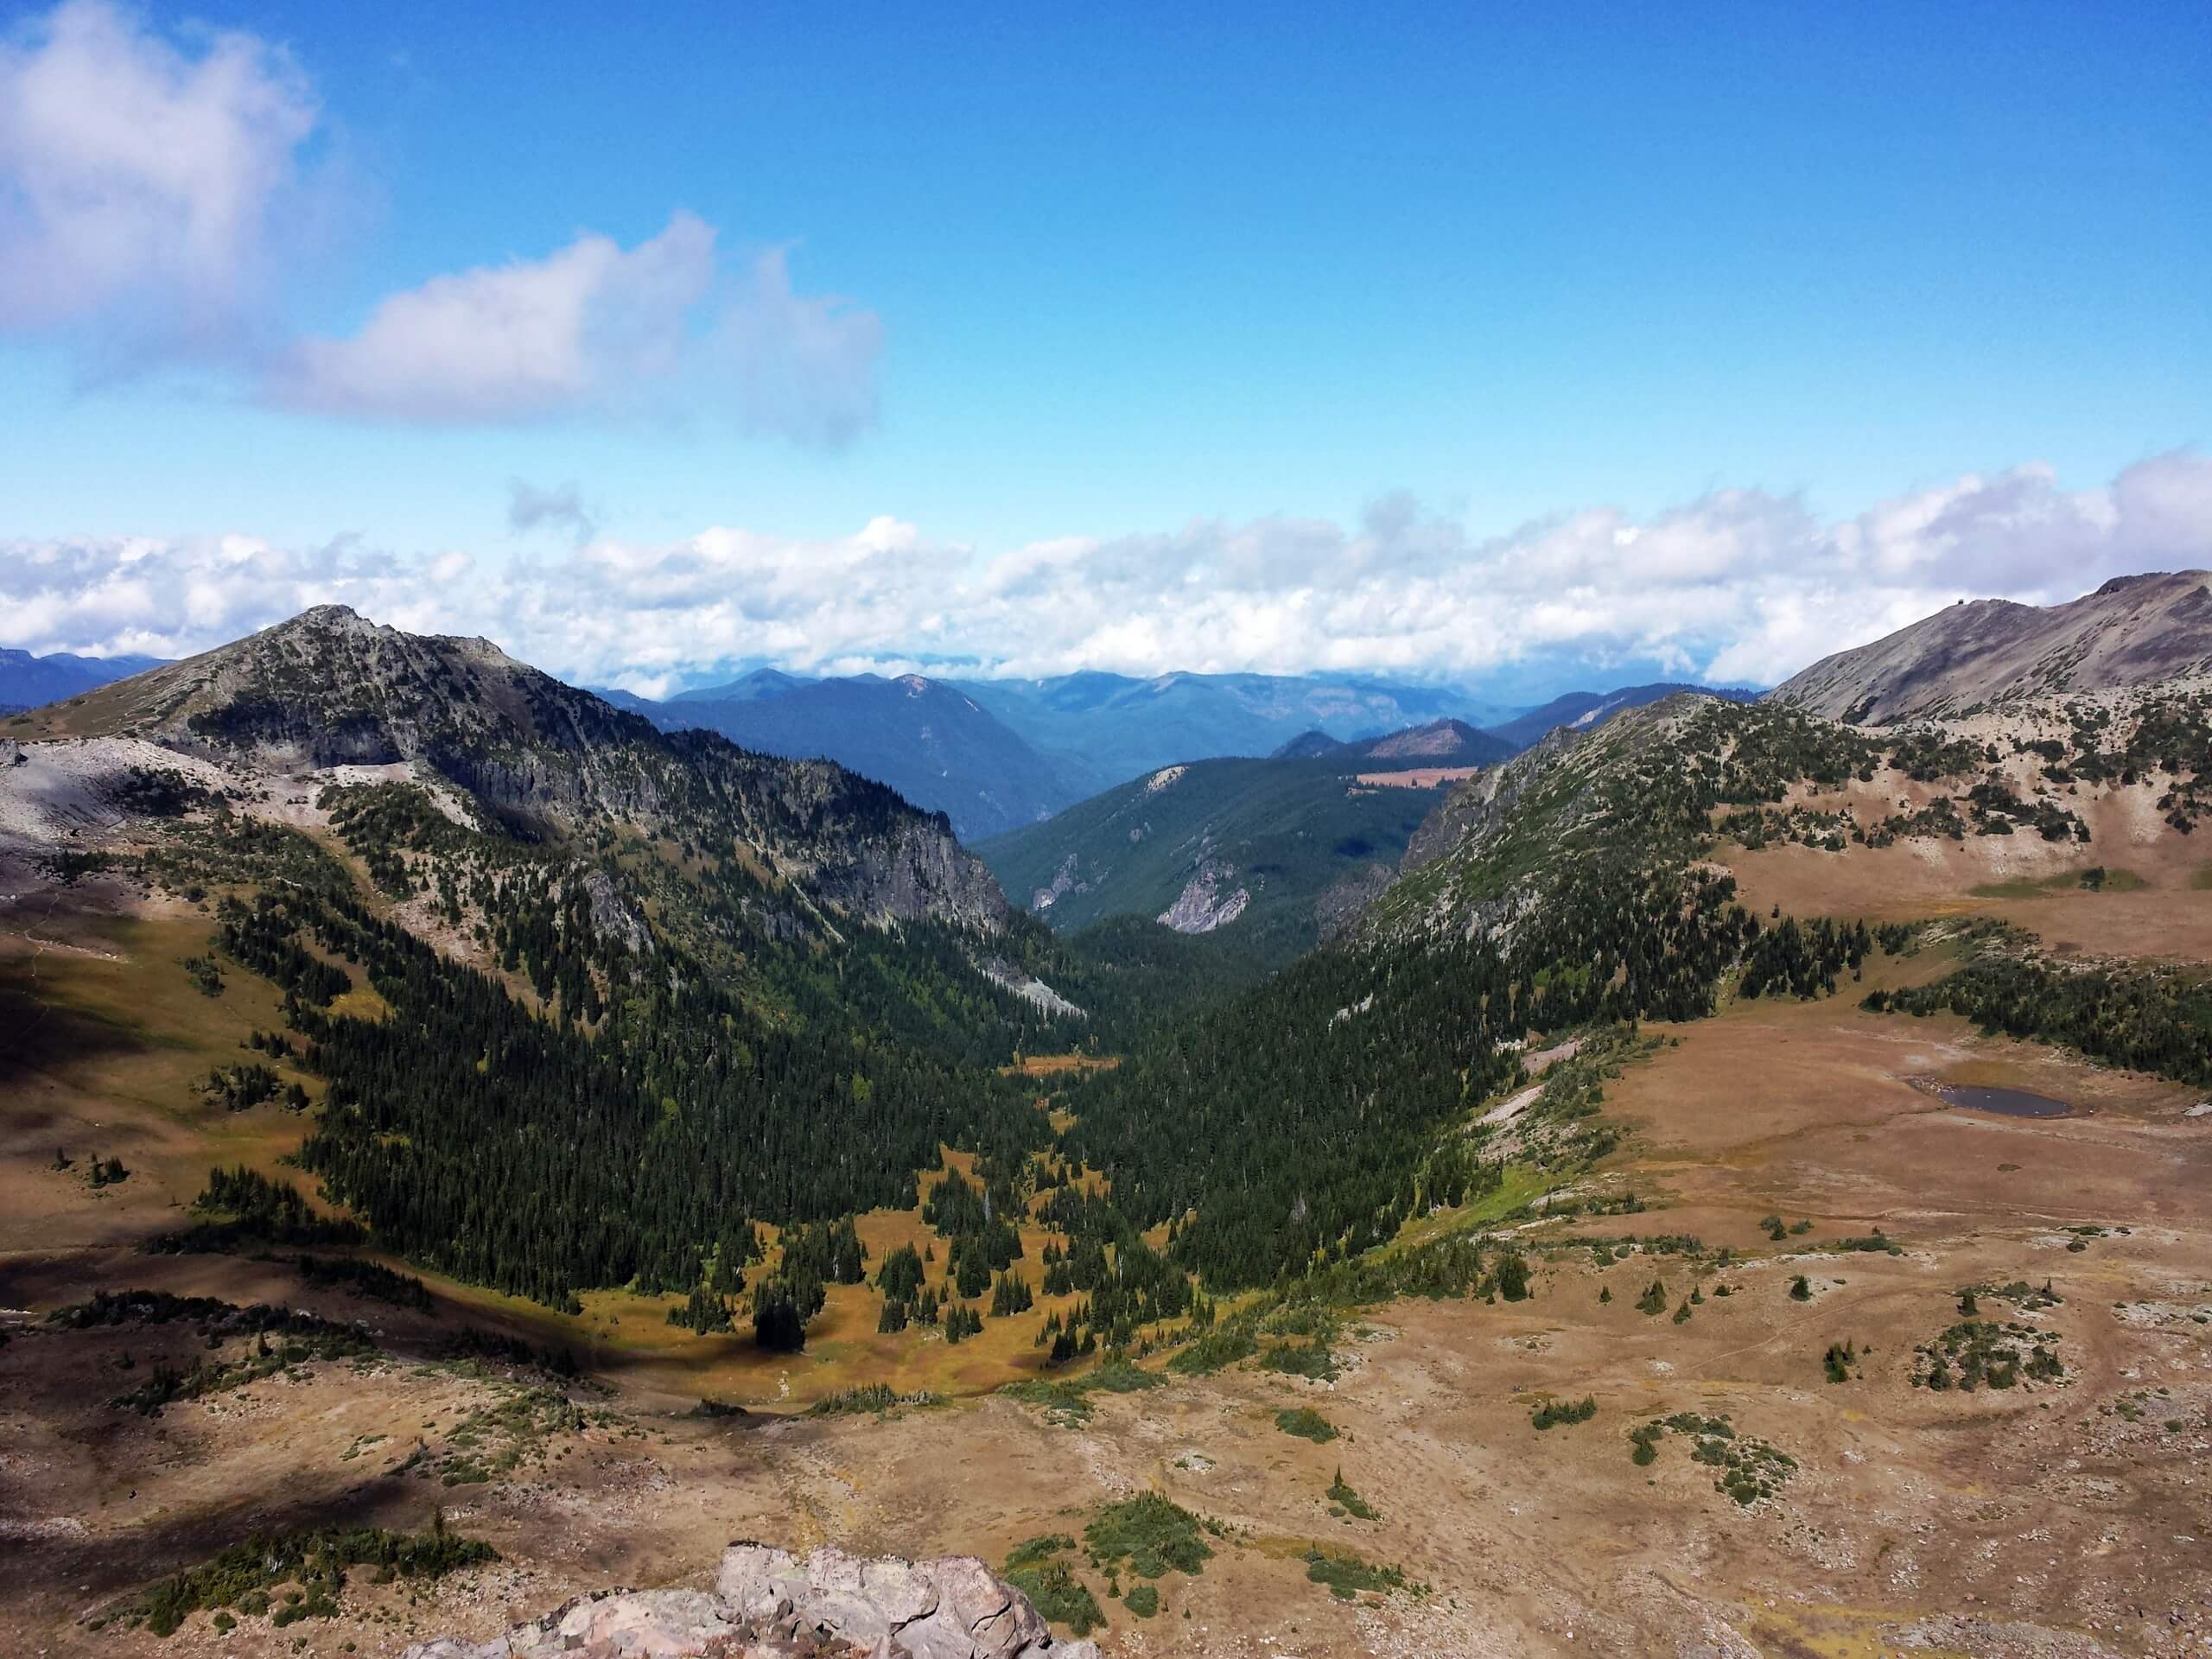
{"x": 2133, "y": 631}
{"x": 930, "y": 740}
{"x": 1585, "y": 710}
{"x": 535, "y": 757}
{"x": 1270, "y": 854}
{"x": 1106, "y": 729}
{"x": 26, "y": 681}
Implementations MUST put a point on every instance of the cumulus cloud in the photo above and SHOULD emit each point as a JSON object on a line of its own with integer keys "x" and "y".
{"x": 173, "y": 597}
{"x": 587, "y": 327}
{"x": 595, "y": 329}
{"x": 152, "y": 189}
{"x": 1738, "y": 586}
{"x": 140, "y": 183}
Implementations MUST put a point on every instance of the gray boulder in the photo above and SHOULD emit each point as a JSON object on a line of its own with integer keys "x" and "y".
{"x": 768, "y": 1604}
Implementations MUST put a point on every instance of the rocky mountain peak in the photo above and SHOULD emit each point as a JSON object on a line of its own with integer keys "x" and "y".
{"x": 332, "y": 687}
{"x": 1438, "y": 738}
{"x": 2132, "y": 631}
{"x": 329, "y": 616}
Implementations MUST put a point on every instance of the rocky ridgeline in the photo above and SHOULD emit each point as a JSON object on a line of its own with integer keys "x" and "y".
{"x": 769, "y": 1605}
{"x": 330, "y": 688}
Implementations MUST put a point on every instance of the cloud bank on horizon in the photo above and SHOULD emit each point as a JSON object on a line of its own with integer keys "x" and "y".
{"x": 159, "y": 196}
{"x": 170, "y": 196}
{"x": 1740, "y": 586}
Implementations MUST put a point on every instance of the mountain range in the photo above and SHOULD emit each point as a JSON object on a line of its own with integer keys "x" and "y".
{"x": 994, "y": 755}
{"x": 405, "y": 1049}
{"x": 1106, "y": 729}
{"x": 929, "y": 740}
{"x": 534, "y": 760}
{"x": 1269, "y": 854}
{"x": 26, "y": 681}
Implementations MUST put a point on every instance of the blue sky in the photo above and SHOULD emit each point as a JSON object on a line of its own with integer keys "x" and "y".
{"x": 1109, "y": 275}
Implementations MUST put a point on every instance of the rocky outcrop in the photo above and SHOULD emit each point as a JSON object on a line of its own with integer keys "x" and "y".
{"x": 1012, "y": 977}
{"x": 1207, "y": 901}
{"x": 768, "y": 1604}
{"x": 1065, "y": 881}
{"x": 612, "y": 916}
{"x": 914, "y": 869}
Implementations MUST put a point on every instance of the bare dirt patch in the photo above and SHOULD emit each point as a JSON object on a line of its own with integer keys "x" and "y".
{"x": 1418, "y": 778}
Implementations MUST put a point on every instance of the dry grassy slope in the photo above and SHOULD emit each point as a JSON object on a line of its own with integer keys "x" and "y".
{"x": 2156, "y": 903}
{"x": 1489, "y": 848}
{"x": 1994, "y": 1524}
{"x": 2056, "y": 1521}
{"x": 103, "y": 1039}
{"x": 2132, "y": 631}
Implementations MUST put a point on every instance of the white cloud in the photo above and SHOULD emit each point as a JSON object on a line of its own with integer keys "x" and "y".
{"x": 587, "y": 328}
{"x": 1738, "y": 586}
{"x": 594, "y": 330}
{"x": 157, "y": 194}
{"x": 140, "y": 183}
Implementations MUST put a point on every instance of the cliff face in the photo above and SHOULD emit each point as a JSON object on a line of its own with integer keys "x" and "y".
{"x": 913, "y": 870}
{"x": 768, "y": 1604}
{"x": 2133, "y": 631}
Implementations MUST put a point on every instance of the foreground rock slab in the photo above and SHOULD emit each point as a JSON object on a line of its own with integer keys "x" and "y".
{"x": 769, "y": 1604}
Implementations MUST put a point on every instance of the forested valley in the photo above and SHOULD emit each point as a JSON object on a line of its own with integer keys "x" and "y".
{"x": 610, "y": 1101}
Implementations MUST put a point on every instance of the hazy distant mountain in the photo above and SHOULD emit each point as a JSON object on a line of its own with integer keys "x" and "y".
{"x": 1268, "y": 853}
{"x": 631, "y": 702}
{"x": 1586, "y": 709}
{"x": 995, "y": 754}
{"x": 2132, "y": 631}
{"x": 1309, "y": 745}
{"x": 26, "y": 681}
{"x": 1439, "y": 743}
{"x": 936, "y": 745}
{"x": 761, "y": 684}
{"x": 1103, "y": 729}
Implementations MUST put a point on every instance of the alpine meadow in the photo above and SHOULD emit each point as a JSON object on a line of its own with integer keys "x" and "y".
{"x": 1014, "y": 836}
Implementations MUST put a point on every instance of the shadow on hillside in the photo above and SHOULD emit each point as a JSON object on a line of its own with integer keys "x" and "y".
{"x": 39, "y": 1035}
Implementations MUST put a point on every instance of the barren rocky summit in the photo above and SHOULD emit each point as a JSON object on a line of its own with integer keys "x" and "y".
{"x": 2132, "y": 631}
